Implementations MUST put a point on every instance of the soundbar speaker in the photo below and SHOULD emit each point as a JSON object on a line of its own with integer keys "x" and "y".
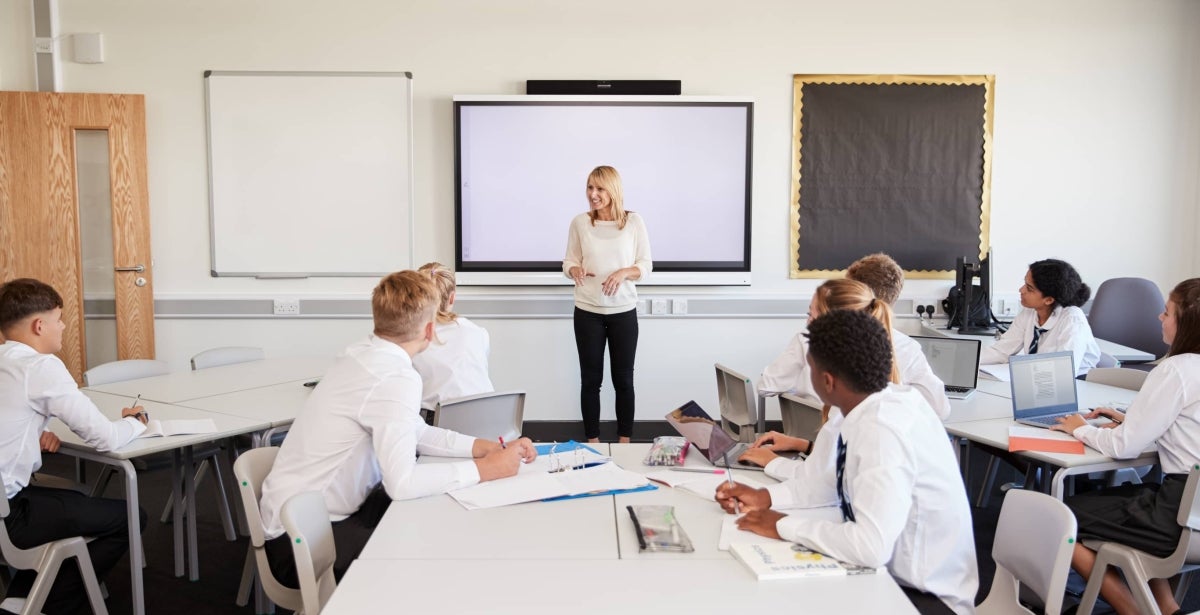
{"x": 637, "y": 87}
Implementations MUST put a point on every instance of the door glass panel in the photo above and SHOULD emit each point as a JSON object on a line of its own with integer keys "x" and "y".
{"x": 96, "y": 242}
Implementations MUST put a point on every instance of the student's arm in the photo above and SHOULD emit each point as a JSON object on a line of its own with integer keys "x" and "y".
{"x": 1078, "y": 338}
{"x": 810, "y": 483}
{"x": 881, "y": 474}
{"x": 51, "y": 387}
{"x": 788, "y": 373}
{"x": 1153, "y": 411}
{"x": 920, "y": 376}
{"x": 1012, "y": 342}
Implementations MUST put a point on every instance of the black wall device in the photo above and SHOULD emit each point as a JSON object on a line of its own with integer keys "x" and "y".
{"x": 635, "y": 87}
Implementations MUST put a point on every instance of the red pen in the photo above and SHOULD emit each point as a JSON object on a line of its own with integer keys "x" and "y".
{"x": 502, "y": 444}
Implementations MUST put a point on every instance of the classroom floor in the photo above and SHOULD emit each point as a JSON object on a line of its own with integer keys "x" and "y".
{"x": 221, "y": 561}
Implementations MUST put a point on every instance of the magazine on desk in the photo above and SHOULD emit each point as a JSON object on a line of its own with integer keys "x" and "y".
{"x": 178, "y": 427}
{"x": 786, "y": 560}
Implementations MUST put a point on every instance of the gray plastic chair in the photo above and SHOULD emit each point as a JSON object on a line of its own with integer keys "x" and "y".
{"x": 485, "y": 416}
{"x": 1035, "y": 538}
{"x": 1125, "y": 311}
{"x": 801, "y": 417}
{"x": 128, "y": 369}
{"x": 1125, "y": 378}
{"x": 46, "y": 559}
{"x": 227, "y": 355}
{"x": 739, "y": 404}
{"x": 1139, "y": 567}
{"x": 307, "y": 523}
{"x": 251, "y": 469}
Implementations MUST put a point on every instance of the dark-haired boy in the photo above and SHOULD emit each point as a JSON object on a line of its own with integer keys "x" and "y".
{"x": 35, "y": 386}
{"x": 903, "y": 503}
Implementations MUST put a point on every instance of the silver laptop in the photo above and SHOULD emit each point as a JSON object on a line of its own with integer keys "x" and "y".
{"x": 1043, "y": 387}
{"x": 955, "y": 361}
{"x": 693, "y": 423}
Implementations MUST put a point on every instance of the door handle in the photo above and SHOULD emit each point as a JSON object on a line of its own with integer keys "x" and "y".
{"x": 135, "y": 269}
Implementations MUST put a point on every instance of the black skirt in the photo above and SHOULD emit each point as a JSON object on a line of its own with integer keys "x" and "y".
{"x": 1139, "y": 516}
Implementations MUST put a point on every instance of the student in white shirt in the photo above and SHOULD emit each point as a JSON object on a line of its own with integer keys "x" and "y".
{"x": 607, "y": 250}
{"x": 357, "y": 437}
{"x": 1051, "y": 320}
{"x": 456, "y": 363}
{"x": 35, "y": 387}
{"x": 1165, "y": 412}
{"x": 902, "y": 500}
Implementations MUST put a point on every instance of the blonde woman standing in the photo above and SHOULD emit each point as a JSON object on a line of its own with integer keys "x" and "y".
{"x": 607, "y": 251}
{"x": 456, "y": 363}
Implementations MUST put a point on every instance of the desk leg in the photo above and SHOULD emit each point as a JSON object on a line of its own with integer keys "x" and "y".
{"x": 137, "y": 554}
{"x": 190, "y": 494}
{"x": 1056, "y": 483}
{"x": 177, "y": 472}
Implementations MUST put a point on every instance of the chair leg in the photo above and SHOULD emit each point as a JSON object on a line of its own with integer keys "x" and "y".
{"x": 226, "y": 513}
{"x": 95, "y": 596}
{"x": 1183, "y": 583}
{"x": 1090, "y": 593}
{"x": 201, "y": 470}
{"x": 249, "y": 570}
{"x": 45, "y": 579}
{"x": 106, "y": 474}
{"x": 989, "y": 481}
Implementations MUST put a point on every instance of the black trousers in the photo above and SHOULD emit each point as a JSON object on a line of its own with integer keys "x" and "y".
{"x": 926, "y": 603}
{"x": 40, "y": 515}
{"x": 350, "y": 535}
{"x": 592, "y": 331}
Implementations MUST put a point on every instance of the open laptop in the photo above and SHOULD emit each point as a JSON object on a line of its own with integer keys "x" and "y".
{"x": 693, "y": 423}
{"x": 1043, "y": 387}
{"x": 955, "y": 361}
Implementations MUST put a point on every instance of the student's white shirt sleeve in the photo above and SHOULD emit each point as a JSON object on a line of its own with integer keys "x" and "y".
{"x": 915, "y": 371}
{"x": 1154, "y": 409}
{"x": 398, "y": 436}
{"x": 788, "y": 373}
{"x": 1075, "y": 334}
{"x": 881, "y": 476}
{"x": 51, "y": 387}
{"x": 574, "y": 257}
{"x": 641, "y": 255}
{"x": 807, "y": 483}
{"x": 1012, "y": 342}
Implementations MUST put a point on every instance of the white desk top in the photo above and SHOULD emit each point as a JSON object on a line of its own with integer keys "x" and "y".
{"x": 601, "y": 586}
{"x": 277, "y": 404}
{"x": 182, "y": 386}
{"x": 111, "y": 406}
{"x": 1118, "y": 352}
{"x": 1091, "y": 394}
{"x": 995, "y": 433}
{"x": 980, "y": 407}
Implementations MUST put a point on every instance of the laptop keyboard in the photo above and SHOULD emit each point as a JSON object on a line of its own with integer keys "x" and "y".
{"x": 1045, "y": 420}
{"x": 951, "y": 389}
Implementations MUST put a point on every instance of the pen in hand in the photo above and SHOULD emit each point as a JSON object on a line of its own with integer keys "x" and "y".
{"x": 502, "y": 444}
{"x": 737, "y": 506}
{"x": 144, "y": 416}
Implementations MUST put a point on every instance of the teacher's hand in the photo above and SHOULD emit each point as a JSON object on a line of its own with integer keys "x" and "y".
{"x": 578, "y": 274}
{"x": 613, "y": 282}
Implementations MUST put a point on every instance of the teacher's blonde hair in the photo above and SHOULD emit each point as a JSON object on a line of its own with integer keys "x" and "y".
{"x": 443, "y": 279}
{"x": 607, "y": 178}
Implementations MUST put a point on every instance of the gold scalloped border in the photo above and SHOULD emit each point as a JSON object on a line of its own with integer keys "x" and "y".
{"x": 985, "y": 210}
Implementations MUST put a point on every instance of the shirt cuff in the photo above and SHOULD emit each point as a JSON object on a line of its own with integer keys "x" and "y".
{"x": 138, "y": 426}
{"x": 781, "y": 495}
{"x": 789, "y": 527}
{"x": 467, "y": 473}
{"x": 778, "y": 468}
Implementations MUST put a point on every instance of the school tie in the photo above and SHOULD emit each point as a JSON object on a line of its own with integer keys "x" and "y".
{"x": 847, "y": 511}
{"x": 1037, "y": 333}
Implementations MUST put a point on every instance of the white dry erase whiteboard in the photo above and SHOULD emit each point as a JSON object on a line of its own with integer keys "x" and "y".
{"x": 310, "y": 173}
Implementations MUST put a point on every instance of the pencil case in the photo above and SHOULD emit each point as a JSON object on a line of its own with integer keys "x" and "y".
{"x": 658, "y": 529}
{"x": 667, "y": 451}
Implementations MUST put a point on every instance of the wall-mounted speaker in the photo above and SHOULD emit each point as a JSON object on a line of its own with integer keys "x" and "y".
{"x": 643, "y": 87}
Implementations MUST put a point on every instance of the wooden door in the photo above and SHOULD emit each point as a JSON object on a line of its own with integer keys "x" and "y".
{"x": 39, "y": 208}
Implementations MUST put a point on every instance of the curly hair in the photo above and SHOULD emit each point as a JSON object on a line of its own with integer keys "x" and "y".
{"x": 1059, "y": 281}
{"x": 1186, "y": 297}
{"x": 24, "y": 297}
{"x": 854, "y": 347}
{"x": 881, "y": 272}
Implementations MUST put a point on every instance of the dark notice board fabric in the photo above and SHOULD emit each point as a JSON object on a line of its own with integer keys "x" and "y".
{"x": 890, "y": 168}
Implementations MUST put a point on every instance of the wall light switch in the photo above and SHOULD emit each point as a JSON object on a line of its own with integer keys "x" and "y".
{"x": 658, "y": 306}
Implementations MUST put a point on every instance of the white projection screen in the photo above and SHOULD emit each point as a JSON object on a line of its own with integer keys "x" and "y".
{"x": 521, "y": 166}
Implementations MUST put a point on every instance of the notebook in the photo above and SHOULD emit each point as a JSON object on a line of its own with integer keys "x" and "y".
{"x": 955, "y": 361}
{"x": 1043, "y": 387}
{"x": 693, "y": 423}
{"x": 785, "y": 560}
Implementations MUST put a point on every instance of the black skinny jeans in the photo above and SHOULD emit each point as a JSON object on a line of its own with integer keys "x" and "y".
{"x": 620, "y": 332}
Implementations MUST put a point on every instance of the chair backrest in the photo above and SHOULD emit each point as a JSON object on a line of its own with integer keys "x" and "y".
{"x": 251, "y": 469}
{"x": 739, "y": 404}
{"x": 1123, "y": 377}
{"x": 227, "y": 355}
{"x": 307, "y": 523}
{"x": 1035, "y": 539}
{"x": 485, "y": 416}
{"x": 801, "y": 417}
{"x": 128, "y": 369}
{"x": 1125, "y": 311}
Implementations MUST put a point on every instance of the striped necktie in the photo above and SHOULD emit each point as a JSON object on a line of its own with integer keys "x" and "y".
{"x": 1037, "y": 334}
{"x": 847, "y": 511}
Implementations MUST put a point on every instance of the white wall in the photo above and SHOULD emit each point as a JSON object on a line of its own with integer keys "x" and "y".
{"x": 1097, "y": 144}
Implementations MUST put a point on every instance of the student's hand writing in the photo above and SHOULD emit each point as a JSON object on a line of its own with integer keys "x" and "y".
{"x": 775, "y": 441}
{"x": 749, "y": 497}
{"x": 758, "y": 456}
{"x": 500, "y": 463}
{"x": 136, "y": 412}
{"x": 49, "y": 442}
{"x": 578, "y": 274}
{"x": 761, "y": 522}
{"x": 528, "y": 450}
{"x": 1068, "y": 424}
{"x": 613, "y": 281}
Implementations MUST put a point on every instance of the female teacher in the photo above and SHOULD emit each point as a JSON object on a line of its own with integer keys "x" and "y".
{"x": 607, "y": 250}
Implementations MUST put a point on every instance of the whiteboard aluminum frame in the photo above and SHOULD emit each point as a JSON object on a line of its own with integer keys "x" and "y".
{"x": 212, "y": 229}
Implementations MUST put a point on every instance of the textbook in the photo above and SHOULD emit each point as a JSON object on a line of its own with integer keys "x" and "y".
{"x": 178, "y": 427}
{"x": 785, "y": 560}
{"x": 1044, "y": 440}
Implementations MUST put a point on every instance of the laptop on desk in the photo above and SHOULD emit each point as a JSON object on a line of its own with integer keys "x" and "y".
{"x": 1043, "y": 387}
{"x": 955, "y": 361}
{"x": 693, "y": 423}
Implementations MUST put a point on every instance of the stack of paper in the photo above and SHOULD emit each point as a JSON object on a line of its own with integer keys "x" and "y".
{"x": 530, "y": 485}
{"x": 1044, "y": 440}
{"x": 178, "y": 427}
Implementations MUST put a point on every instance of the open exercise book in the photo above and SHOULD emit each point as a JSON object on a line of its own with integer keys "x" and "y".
{"x": 178, "y": 427}
{"x": 570, "y": 471}
{"x": 702, "y": 485}
{"x": 785, "y": 560}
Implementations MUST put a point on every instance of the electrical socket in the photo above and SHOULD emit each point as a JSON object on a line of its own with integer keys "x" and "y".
{"x": 286, "y": 307}
{"x": 679, "y": 306}
{"x": 658, "y": 306}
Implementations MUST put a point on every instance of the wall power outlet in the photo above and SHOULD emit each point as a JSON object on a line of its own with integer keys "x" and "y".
{"x": 287, "y": 307}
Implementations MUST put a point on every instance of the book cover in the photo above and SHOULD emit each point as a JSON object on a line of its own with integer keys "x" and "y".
{"x": 785, "y": 560}
{"x": 1022, "y": 438}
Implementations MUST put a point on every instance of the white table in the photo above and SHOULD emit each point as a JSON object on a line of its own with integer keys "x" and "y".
{"x": 1117, "y": 351}
{"x": 190, "y": 385}
{"x": 111, "y": 406}
{"x": 276, "y": 405}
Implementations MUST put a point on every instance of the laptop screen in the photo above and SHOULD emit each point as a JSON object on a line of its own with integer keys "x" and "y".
{"x": 1043, "y": 384}
{"x": 954, "y": 361}
{"x": 693, "y": 423}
